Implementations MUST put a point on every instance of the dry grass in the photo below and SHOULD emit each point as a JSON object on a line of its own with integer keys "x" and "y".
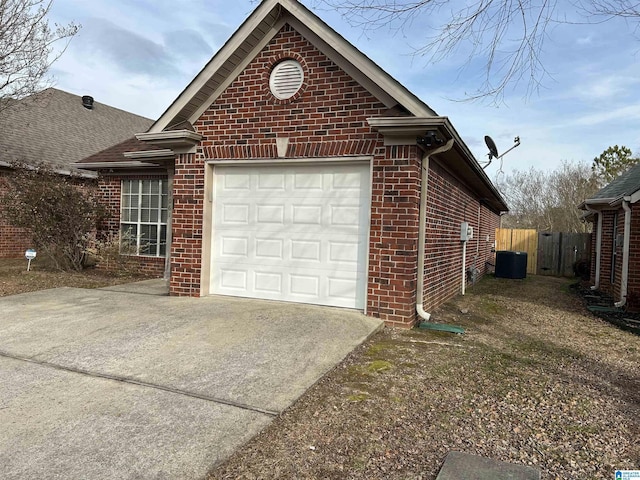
{"x": 536, "y": 380}
{"x": 15, "y": 279}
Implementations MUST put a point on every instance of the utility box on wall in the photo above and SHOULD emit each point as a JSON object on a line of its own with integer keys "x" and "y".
{"x": 511, "y": 264}
{"x": 466, "y": 232}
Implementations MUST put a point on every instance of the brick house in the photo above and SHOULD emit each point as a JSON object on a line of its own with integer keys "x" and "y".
{"x": 56, "y": 128}
{"x": 293, "y": 168}
{"x": 615, "y": 259}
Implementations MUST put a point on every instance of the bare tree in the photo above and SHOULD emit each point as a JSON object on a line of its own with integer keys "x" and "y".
{"x": 548, "y": 201}
{"x": 27, "y": 47}
{"x": 507, "y": 36}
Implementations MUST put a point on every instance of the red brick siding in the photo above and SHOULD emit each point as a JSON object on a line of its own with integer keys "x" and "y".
{"x": 110, "y": 190}
{"x": 393, "y": 247}
{"x": 449, "y": 204}
{"x": 13, "y": 241}
{"x": 329, "y": 118}
{"x": 186, "y": 247}
{"x": 634, "y": 259}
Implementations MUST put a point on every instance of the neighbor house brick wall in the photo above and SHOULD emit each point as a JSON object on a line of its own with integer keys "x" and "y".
{"x": 633, "y": 289}
{"x": 110, "y": 191}
{"x": 449, "y": 204}
{"x": 13, "y": 241}
{"x": 633, "y": 284}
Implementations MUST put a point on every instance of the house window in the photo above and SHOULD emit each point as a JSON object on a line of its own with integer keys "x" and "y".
{"x": 143, "y": 217}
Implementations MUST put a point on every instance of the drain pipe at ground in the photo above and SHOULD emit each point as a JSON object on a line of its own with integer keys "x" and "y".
{"x": 422, "y": 226}
{"x": 598, "y": 245}
{"x": 625, "y": 254}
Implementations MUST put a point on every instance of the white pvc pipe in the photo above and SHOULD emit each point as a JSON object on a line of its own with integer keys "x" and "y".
{"x": 625, "y": 254}
{"x": 464, "y": 266}
{"x": 422, "y": 226}
{"x": 598, "y": 245}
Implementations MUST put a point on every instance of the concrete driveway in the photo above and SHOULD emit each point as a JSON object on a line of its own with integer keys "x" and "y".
{"x": 124, "y": 383}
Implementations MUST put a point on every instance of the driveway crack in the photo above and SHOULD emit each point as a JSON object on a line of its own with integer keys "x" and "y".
{"x": 133, "y": 381}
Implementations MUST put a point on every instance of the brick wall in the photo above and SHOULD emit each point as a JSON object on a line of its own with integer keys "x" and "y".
{"x": 393, "y": 247}
{"x": 13, "y": 241}
{"x": 449, "y": 204}
{"x": 633, "y": 298}
{"x": 328, "y": 117}
{"x": 188, "y": 205}
{"x": 110, "y": 189}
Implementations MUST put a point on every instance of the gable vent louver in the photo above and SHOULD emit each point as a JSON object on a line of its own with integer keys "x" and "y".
{"x": 286, "y": 79}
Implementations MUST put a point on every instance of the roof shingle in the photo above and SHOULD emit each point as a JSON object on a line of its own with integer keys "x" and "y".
{"x": 55, "y": 129}
{"x": 625, "y": 185}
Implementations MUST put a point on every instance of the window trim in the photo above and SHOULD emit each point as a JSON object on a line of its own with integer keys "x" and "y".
{"x": 138, "y": 223}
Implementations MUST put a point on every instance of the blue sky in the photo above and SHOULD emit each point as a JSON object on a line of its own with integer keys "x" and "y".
{"x": 138, "y": 55}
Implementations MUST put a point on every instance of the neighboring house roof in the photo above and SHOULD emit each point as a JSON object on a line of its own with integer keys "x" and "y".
{"x": 254, "y": 34}
{"x": 54, "y": 128}
{"x": 627, "y": 185}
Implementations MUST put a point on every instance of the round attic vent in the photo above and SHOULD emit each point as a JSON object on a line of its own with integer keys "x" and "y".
{"x": 286, "y": 79}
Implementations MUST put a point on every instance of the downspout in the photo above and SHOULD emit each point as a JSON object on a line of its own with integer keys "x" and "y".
{"x": 625, "y": 253}
{"x": 598, "y": 245}
{"x": 422, "y": 226}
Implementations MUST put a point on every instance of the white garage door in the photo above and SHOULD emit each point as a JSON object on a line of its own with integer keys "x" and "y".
{"x": 292, "y": 233}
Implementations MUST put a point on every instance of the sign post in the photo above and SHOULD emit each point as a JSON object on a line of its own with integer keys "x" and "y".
{"x": 30, "y": 254}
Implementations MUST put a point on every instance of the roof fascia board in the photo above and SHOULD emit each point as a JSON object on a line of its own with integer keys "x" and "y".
{"x": 603, "y": 203}
{"x": 404, "y": 126}
{"x": 107, "y": 165}
{"x": 305, "y": 22}
{"x": 354, "y": 68}
{"x": 249, "y": 25}
{"x": 165, "y": 153}
{"x": 634, "y": 197}
{"x": 180, "y": 141}
{"x": 238, "y": 70}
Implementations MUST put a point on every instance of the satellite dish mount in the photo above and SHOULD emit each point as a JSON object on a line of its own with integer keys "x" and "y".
{"x": 493, "y": 150}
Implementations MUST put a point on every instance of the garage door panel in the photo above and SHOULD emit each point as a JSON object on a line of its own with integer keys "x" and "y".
{"x": 291, "y": 233}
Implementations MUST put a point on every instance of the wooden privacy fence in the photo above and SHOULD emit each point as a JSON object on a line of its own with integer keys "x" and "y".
{"x": 519, "y": 240}
{"x": 548, "y": 253}
{"x": 558, "y": 252}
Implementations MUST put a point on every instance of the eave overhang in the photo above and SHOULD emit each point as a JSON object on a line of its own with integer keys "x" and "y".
{"x": 407, "y": 130}
{"x": 165, "y": 154}
{"x": 180, "y": 141}
{"x": 118, "y": 165}
{"x": 609, "y": 203}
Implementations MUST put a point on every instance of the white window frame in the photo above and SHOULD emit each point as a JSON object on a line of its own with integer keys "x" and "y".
{"x": 138, "y": 223}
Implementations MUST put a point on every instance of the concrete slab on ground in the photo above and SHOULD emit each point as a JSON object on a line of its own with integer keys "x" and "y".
{"x": 155, "y": 286}
{"x": 109, "y": 384}
{"x": 460, "y": 465}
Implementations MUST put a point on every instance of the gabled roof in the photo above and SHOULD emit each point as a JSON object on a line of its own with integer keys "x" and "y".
{"x": 53, "y": 127}
{"x": 626, "y": 186}
{"x": 254, "y": 34}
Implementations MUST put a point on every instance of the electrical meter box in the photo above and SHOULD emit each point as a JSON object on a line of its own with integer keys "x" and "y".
{"x": 466, "y": 232}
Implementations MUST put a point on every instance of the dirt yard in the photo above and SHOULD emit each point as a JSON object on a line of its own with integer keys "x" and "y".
{"x": 536, "y": 380}
{"x": 15, "y": 279}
